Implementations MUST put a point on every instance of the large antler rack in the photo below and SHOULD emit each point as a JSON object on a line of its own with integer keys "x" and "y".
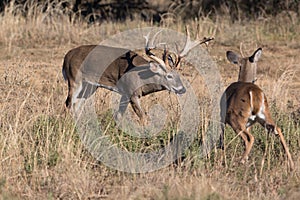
{"x": 189, "y": 45}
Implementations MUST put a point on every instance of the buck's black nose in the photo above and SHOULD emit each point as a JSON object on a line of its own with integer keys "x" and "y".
{"x": 181, "y": 91}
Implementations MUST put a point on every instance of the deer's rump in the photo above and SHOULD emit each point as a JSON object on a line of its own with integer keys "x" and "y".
{"x": 237, "y": 94}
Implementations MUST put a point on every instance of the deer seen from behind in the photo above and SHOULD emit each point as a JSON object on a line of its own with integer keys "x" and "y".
{"x": 243, "y": 104}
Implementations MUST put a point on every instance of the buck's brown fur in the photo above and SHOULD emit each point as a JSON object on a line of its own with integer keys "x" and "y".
{"x": 91, "y": 66}
{"x": 121, "y": 70}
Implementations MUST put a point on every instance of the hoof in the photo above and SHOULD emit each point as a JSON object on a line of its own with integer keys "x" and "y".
{"x": 244, "y": 160}
{"x": 221, "y": 146}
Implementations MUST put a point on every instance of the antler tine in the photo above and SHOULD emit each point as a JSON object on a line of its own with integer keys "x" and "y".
{"x": 188, "y": 37}
{"x": 197, "y": 33}
{"x": 147, "y": 39}
{"x": 188, "y": 44}
{"x": 154, "y": 37}
{"x": 150, "y": 41}
{"x": 148, "y": 49}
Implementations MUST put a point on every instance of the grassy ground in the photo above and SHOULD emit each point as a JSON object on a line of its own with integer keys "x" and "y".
{"x": 42, "y": 156}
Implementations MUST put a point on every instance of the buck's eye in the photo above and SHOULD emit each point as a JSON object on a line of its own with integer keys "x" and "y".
{"x": 169, "y": 76}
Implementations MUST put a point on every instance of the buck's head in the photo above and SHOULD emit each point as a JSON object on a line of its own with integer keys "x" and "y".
{"x": 167, "y": 67}
{"x": 168, "y": 78}
{"x": 247, "y": 65}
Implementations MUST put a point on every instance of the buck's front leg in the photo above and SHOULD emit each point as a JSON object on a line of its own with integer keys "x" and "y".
{"x": 136, "y": 105}
{"x": 122, "y": 108}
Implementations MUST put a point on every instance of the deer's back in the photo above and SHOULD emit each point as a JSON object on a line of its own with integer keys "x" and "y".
{"x": 100, "y": 64}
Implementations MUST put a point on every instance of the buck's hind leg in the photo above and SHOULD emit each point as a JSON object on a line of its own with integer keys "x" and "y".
{"x": 73, "y": 91}
{"x": 221, "y": 142}
{"x": 75, "y": 101}
{"x": 223, "y": 113}
{"x": 69, "y": 97}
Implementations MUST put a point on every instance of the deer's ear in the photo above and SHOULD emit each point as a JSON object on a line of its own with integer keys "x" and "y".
{"x": 155, "y": 68}
{"x": 256, "y": 55}
{"x": 232, "y": 57}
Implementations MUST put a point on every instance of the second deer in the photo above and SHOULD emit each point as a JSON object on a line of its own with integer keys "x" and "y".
{"x": 243, "y": 103}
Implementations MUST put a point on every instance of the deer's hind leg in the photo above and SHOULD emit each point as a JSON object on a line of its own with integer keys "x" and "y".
{"x": 239, "y": 126}
{"x": 249, "y": 141}
{"x": 267, "y": 122}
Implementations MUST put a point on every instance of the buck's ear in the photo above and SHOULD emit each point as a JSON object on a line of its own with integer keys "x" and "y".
{"x": 256, "y": 55}
{"x": 155, "y": 68}
{"x": 232, "y": 57}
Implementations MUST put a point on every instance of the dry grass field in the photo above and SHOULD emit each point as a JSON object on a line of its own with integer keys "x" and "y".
{"x": 42, "y": 157}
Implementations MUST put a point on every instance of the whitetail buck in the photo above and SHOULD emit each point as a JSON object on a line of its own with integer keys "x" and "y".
{"x": 244, "y": 103}
{"x": 120, "y": 70}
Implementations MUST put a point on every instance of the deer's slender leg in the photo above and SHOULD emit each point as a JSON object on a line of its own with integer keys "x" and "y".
{"x": 221, "y": 143}
{"x": 136, "y": 105}
{"x": 70, "y": 94}
{"x": 239, "y": 126}
{"x": 249, "y": 141}
{"x": 223, "y": 121}
{"x": 122, "y": 107}
{"x": 270, "y": 125}
{"x": 223, "y": 112}
{"x": 78, "y": 88}
{"x": 87, "y": 90}
{"x": 282, "y": 140}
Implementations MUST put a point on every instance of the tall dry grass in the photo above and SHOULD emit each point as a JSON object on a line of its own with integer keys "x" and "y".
{"x": 42, "y": 156}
